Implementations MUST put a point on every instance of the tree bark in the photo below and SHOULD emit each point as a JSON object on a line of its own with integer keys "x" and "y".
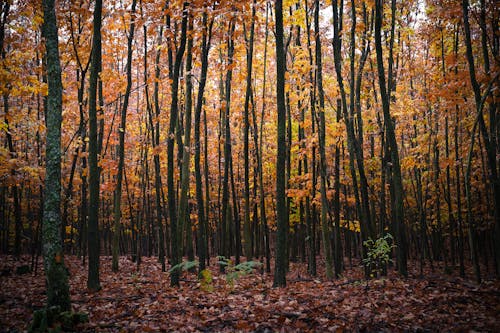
{"x": 280, "y": 261}
{"x": 325, "y": 228}
{"x": 121, "y": 144}
{"x": 398, "y": 217}
{"x": 93, "y": 207}
{"x": 202, "y": 218}
{"x": 56, "y": 274}
{"x": 248, "y": 92}
{"x": 174, "y": 107}
{"x": 184, "y": 217}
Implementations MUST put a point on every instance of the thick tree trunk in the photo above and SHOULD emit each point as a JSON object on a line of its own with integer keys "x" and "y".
{"x": 56, "y": 274}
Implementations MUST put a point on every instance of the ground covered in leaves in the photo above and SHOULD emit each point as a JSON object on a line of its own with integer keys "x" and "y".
{"x": 143, "y": 301}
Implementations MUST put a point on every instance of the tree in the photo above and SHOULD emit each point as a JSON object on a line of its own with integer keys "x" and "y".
{"x": 352, "y": 111}
{"x": 248, "y": 92}
{"x": 121, "y": 146}
{"x": 155, "y": 138}
{"x": 489, "y": 137}
{"x": 174, "y": 107}
{"x": 280, "y": 256}
{"x": 5, "y": 9}
{"x": 322, "y": 128}
{"x": 226, "y": 121}
{"x": 93, "y": 213}
{"x": 184, "y": 218}
{"x": 385, "y": 90}
{"x": 56, "y": 274}
{"x": 202, "y": 218}
{"x": 258, "y": 150}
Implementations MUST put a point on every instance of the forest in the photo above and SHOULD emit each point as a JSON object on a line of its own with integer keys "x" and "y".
{"x": 255, "y": 165}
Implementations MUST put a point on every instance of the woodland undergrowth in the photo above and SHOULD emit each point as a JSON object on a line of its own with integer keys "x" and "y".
{"x": 141, "y": 300}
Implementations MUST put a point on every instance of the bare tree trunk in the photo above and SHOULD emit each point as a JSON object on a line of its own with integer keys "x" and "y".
{"x": 93, "y": 208}
{"x": 121, "y": 145}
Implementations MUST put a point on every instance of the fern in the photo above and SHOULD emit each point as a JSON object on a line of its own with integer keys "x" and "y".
{"x": 184, "y": 266}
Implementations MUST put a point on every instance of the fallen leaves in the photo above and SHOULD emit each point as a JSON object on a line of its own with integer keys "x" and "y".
{"x": 143, "y": 300}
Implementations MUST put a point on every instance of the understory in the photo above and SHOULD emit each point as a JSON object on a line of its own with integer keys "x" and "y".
{"x": 142, "y": 300}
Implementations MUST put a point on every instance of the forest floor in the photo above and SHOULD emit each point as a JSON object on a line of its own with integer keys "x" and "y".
{"x": 143, "y": 301}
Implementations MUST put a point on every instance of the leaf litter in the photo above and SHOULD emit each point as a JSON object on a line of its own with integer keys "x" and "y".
{"x": 142, "y": 300}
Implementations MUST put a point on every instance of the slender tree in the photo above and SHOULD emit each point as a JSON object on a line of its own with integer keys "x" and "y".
{"x": 488, "y": 138}
{"x": 325, "y": 228}
{"x": 397, "y": 183}
{"x": 262, "y": 194}
{"x": 184, "y": 219}
{"x": 155, "y": 138}
{"x": 248, "y": 92}
{"x": 174, "y": 107}
{"x": 202, "y": 218}
{"x": 226, "y": 212}
{"x": 280, "y": 256}
{"x": 93, "y": 213}
{"x": 121, "y": 145}
{"x": 18, "y": 226}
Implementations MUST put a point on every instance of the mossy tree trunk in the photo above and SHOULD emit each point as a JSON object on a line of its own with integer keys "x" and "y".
{"x": 55, "y": 271}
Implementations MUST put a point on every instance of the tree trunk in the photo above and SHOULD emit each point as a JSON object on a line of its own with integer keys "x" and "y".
{"x": 172, "y": 208}
{"x": 184, "y": 217}
{"x": 202, "y": 218}
{"x": 262, "y": 195}
{"x": 488, "y": 143}
{"x": 56, "y": 274}
{"x": 93, "y": 207}
{"x": 398, "y": 217}
{"x": 280, "y": 261}
{"x": 322, "y": 128}
{"x": 248, "y": 92}
{"x": 121, "y": 144}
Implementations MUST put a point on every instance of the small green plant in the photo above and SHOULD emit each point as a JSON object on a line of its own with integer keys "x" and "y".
{"x": 205, "y": 276}
{"x": 184, "y": 266}
{"x": 234, "y": 272}
{"x": 206, "y": 280}
{"x": 378, "y": 253}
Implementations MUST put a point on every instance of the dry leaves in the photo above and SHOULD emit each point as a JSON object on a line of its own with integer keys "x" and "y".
{"x": 143, "y": 300}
